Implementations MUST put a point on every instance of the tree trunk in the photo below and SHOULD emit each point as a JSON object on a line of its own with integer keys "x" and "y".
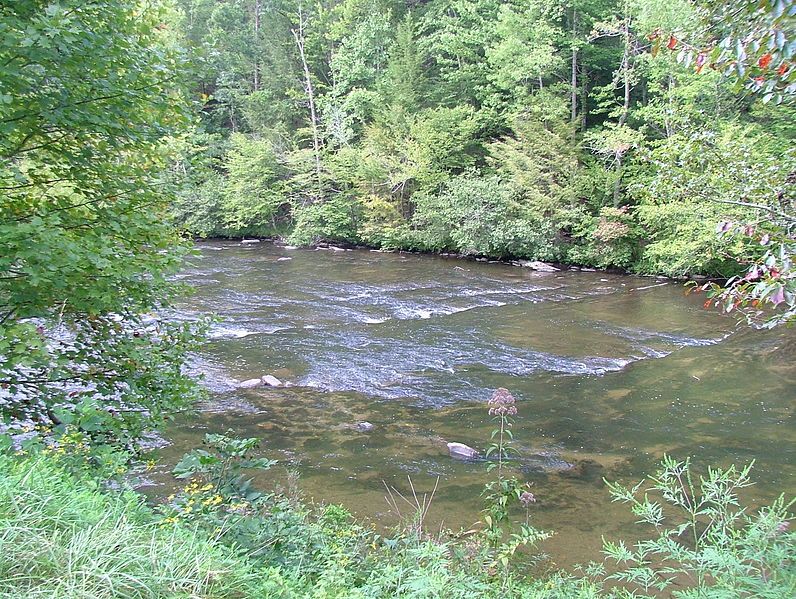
{"x": 574, "y": 81}
{"x": 257, "y": 45}
{"x": 298, "y": 35}
{"x": 626, "y": 66}
{"x": 584, "y": 99}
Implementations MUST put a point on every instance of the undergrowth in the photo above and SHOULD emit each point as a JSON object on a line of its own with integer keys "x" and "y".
{"x": 66, "y": 533}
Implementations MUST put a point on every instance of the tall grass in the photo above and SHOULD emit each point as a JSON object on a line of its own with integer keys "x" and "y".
{"x": 63, "y": 537}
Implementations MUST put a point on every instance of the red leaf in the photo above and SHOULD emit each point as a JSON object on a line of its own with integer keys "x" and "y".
{"x": 765, "y": 60}
{"x": 672, "y": 42}
{"x": 783, "y": 68}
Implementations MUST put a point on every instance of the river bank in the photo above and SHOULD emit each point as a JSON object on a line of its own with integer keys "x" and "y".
{"x": 544, "y": 266}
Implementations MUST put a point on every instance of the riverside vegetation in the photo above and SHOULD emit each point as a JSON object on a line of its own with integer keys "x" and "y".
{"x": 566, "y": 131}
{"x": 603, "y": 133}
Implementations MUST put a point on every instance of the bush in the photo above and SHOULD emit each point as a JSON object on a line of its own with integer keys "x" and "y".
{"x": 610, "y": 239}
{"x": 705, "y": 543}
{"x": 482, "y": 216}
{"x": 335, "y": 219}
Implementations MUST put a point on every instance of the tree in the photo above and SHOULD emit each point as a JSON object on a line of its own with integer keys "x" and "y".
{"x": 750, "y": 42}
{"x": 89, "y": 97}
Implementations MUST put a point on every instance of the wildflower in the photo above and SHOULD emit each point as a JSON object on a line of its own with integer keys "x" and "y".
{"x": 527, "y": 498}
{"x": 783, "y": 527}
{"x": 502, "y": 403}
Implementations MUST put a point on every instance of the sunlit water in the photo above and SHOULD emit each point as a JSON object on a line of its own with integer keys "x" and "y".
{"x": 610, "y": 372}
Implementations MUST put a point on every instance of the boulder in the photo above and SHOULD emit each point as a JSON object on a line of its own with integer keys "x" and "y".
{"x": 460, "y": 451}
{"x": 538, "y": 265}
{"x": 250, "y": 384}
{"x": 365, "y": 426}
{"x": 271, "y": 381}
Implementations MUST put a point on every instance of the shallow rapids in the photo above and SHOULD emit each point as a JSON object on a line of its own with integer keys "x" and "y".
{"x": 609, "y": 373}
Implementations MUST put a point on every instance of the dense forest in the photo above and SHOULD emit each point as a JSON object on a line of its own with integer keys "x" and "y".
{"x": 587, "y": 132}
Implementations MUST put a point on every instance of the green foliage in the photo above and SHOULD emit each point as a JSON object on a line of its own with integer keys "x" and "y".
{"x": 705, "y": 543}
{"x": 85, "y": 245}
{"x": 611, "y": 239}
{"x": 577, "y": 107}
{"x": 253, "y": 200}
{"x": 334, "y": 219}
{"x": 62, "y": 536}
{"x": 65, "y": 534}
{"x": 481, "y": 216}
{"x": 750, "y": 42}
{"x": 769, "y": 282}
{"x": 698, "y": 181}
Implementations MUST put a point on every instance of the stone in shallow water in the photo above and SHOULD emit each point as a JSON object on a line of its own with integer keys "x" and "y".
{"x": 249, "y": 384}
{"x": 538, "y": 265}
{"x": 460, "y": 451}
{"x": 365, "y": 426}
{"x": 271, "y": 381}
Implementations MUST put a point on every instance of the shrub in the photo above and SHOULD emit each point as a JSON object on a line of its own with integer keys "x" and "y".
{"x": 482, "y": 216}
{"x": 705, "y": 543}
{"x": 335, "y": 219}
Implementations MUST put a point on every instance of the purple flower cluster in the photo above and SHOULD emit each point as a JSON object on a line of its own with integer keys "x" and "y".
{"x": 527, "y": 498}
{"x": 502, "y": 403}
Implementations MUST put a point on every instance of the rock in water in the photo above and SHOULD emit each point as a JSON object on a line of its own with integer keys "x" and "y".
{"x": 365, "y": 426}
{"x": 250, "y": 241}
{"x": 250, "y": 384}
{"x": 460, "y": 451}
{"x": 271, "y": 381}
{"x": 538, "y": 265}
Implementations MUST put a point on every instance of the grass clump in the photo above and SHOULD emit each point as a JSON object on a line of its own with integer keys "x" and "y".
{"x": 62, "y": 536}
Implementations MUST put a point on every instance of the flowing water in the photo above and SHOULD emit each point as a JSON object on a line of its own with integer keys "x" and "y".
{"x": 610, "y": 372}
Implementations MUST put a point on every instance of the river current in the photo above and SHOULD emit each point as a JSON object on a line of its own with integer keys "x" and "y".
{"x": 610, "y": 372}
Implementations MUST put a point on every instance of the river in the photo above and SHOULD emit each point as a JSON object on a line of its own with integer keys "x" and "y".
{"x": 610, "y": 372}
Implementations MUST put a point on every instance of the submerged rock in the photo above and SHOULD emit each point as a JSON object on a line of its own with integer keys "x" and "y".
{"x": 460, "y": 451}
{"x": 250, "y": 384}
{"x": 538, "y": 265}
{"x": 365, "y": 426}
{"x": 271, "y": 381}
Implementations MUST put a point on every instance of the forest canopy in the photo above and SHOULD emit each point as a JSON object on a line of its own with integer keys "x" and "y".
{"x": 607, "y": 133}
